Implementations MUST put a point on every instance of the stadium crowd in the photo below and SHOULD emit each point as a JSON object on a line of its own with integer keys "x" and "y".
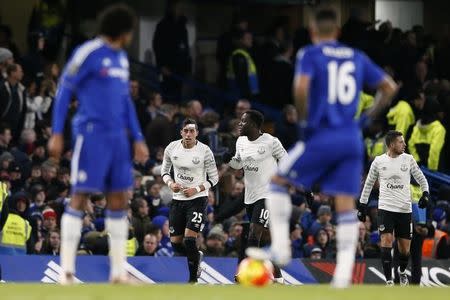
{"x": 39, "y": 187}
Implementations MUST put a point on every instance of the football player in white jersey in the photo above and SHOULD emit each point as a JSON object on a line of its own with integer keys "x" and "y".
{"x": 257, "y": 153}
{"x": 195, "y": 172}
{"x": 393, "y": 171}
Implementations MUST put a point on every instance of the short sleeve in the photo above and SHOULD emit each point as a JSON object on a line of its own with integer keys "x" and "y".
{"x": 304, "y": 64}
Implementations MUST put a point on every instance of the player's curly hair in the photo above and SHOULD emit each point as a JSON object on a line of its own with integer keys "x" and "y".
{"x": 116, "y": 20}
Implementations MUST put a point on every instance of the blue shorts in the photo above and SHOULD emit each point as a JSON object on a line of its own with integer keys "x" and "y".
{"x": 101, "y": 162}
{"x": 331, "y": 158}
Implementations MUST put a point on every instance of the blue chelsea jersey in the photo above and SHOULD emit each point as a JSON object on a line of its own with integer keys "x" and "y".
{"x": 98, "y": 76}
{"x": 337, "y": 75}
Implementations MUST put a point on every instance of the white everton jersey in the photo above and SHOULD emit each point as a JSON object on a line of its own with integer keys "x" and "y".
{"x": 394, "y": 175}
{"x": 192, "y": 167}
{"x": 259, "y": 160}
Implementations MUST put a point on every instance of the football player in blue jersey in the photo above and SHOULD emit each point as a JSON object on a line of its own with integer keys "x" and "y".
{"x": 97, "y": 74}
{"x": 329, "y": 77}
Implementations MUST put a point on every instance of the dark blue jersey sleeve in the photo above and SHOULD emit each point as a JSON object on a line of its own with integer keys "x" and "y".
{"x": 75, "y": 71}
{"x": 304, "y": 63}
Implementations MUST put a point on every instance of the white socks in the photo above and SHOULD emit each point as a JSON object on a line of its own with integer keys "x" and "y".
{"x": 71, "y": 223}
{"x": 279, "y": 205}
{"x": 347, "y": 233}
{"x": 117, "y": 226}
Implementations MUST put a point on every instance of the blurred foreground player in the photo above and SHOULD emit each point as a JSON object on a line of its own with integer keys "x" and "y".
{"x": 393, "y": 170}
{"x": 328, "y": 80}
{"x": 97, "y": 75}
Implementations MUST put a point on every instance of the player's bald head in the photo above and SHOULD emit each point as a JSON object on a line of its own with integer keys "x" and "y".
{"x": 325, "y": 22}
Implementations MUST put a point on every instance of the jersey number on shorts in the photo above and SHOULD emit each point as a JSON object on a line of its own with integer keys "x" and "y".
{"x": 341, "y": 83}
{"x": 198, "y": 217}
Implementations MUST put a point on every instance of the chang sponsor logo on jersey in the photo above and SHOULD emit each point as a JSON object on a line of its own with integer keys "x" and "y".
{"x": 395, "y": 183}
{"x": 183, "y": 175}
{"x": 251, "y": 168}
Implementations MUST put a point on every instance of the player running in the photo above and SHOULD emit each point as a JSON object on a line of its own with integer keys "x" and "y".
{"x": 329, "y": 77}
{"x": 257, "y": 154}
{"x": 393, "y": 170}
{"x": 195, "y": 172}
{"x": 97, "y": 75}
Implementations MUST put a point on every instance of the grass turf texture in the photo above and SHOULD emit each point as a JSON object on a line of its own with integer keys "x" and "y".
{"x": 228, "y": 292}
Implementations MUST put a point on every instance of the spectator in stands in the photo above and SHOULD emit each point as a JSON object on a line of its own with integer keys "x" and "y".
{"x": 27, "y": 141}
{"x": 165, "y": 247}
{"x": 16, "y": 231}
{"x": 287, "y": 130}
{"x": 242, "y": 106}
{"x": 194, "y": 110}
{"x": 296, "y": 240}
{"x": 321, "y": 240}
{"x": 362, "y": 240}
{"x": 34, "y": 61}
{"x": 140, "y": 220}
{"x": 428, "y": 138}
{"x": 13, "y": 100}
{"x": 242, "y": 75}
{"x": 137, "y": 97}
{"x": 149, "y": 246}
{"x": 5, "y": 137}
{"x": 38, "y": 200}
{"x": 280, "y": 74}
{"x": 316, "y": 253}
{"x": 323, "y": 218}
{"x": 15, "y": 177}
{"x": 151, "y": 110}
{"x": 215, "y": 242}
{"x": 50, "y": 217}
{"x": 99, "y": 205}
{"x": 48, "y": 16}
{"x": 38, "y": 104}
{"x": 225, "y": 46}
{"x": 6, "y": 59}
{"x": 404, "y": 115}
{"x": 209, "y": 130}
{"x": 162, "y": 130}
{"x": 233, "y": 243}
{"x": 171, "y": 48}
{"x": 153, "y": 197}
{"x": 52, "y": 243}
{"x": 49, "y": 171}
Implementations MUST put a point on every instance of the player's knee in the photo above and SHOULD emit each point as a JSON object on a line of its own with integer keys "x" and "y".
{"x": 386, "y": 240}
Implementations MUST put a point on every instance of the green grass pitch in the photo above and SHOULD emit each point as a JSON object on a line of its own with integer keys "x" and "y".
{"x": 210, "y": 292}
